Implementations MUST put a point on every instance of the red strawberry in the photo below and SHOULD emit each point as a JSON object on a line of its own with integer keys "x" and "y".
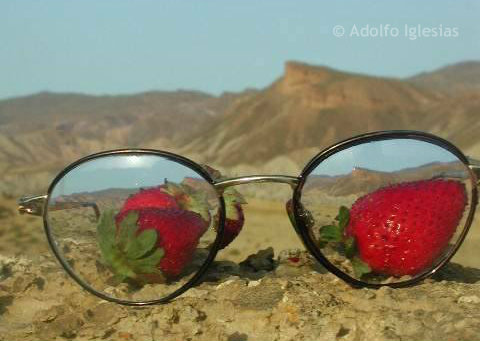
{"x": 234, "y": 217}
{"x": 169, "y": 195}
{"x": 155, "y": 233}
{"x": 402, "y": 229}
{"x": 233, "y": 223}
{"x": 178, "y": 232}
{"x": 154, "y": 197}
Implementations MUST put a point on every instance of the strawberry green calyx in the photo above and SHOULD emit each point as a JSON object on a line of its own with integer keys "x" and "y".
{"x": 360, "y": 268}
{"x": 127, "y": 253}
{"x": 234, "y": 217}
{"x": 233, "y": 201}
{"x": 189, "y": 198}
{"x": 343, "y": 217}
{"x": 350, "y": 247}
{"x": 335, "y": 233}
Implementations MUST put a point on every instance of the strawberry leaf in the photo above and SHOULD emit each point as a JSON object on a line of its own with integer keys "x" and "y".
{"x": 117, "y": 279}
{"x": 233, "y": 204}
{"x": 190, "y": 198}
{"x": 106, "y": 235}
{"x": 142, "y": 244}
{"x": 350, "y": 247}
{"x": 198, "y": 203}
{"x": 148, "y": 265}
{"x": 343, "y": 217}
{"x": 331, "y": 233}
{"x": 125, "y": 252}
{"x": 231, "y": 195}
{"x": 126, "y": 233}
{"x": 360, "y": 268}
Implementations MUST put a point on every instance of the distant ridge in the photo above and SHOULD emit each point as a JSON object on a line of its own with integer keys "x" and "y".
{"x": 311, "y": 107}
{"x": 458, "y": 78}
{"x": 281, "y": 126}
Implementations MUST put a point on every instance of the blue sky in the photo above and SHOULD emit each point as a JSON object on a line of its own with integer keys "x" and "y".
{"x": 117, "y": 46}
{"x": 126, "y": 171}
{"x": 384, "y": 156}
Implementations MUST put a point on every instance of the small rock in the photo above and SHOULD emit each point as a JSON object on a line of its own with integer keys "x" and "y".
{"x": 469, "y": 299}
{"x": 254, "y": 283}
{"x": 194, "y": 292}
{"x": 262, "y": 260}
{"x": 385, "y": 291}
{"x": 294, "y": 257}
{"x": 224, "y": 284}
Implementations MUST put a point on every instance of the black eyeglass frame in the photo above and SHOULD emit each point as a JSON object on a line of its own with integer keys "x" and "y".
{"x": 473, "y": 169}
{"x": 38, "y": 205}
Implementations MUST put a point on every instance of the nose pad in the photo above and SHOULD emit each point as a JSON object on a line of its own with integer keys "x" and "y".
{"x": 305, "y": 215}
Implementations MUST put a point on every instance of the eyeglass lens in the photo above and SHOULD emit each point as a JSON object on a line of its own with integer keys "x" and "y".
{"x": 134, "y": 227}
{"x": 387, "y": 211}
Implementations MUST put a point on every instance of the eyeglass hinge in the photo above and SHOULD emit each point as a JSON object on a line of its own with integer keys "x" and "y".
{"x": 32, "y": 204}
{"x": 474, "y": 165}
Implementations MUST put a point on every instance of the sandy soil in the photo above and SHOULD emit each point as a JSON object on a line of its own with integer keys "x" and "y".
{"x": 261, "y": 299}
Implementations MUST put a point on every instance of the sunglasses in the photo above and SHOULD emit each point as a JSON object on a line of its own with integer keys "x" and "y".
{"x": 140, "y": 227}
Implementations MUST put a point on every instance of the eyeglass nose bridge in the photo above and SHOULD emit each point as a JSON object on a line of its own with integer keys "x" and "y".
{"x": 243, "y": 180}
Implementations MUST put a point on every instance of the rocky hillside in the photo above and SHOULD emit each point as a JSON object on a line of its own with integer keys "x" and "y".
{"x": 276, "y": 129}
{"x": 41, "y": 134}
{"x": 456, "y": 78}
{"x": 311, "y": 107}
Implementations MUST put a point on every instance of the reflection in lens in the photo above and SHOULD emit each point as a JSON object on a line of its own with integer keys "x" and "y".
{"x": 387, "y": 211}
{"x": 135, "y": 227}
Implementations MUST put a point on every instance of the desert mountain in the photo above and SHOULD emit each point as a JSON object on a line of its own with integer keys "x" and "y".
{"x": 276, "y": 129}
{"x": 42, "y": 133}
{"x": 312, "y": 107}
{"x": 362, "y": 180}
{"x": 456, "y": 78}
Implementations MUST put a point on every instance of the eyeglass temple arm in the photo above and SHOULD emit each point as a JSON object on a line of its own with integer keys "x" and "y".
{"x": 34, "y": 205}
{"x": 31, "y": 204}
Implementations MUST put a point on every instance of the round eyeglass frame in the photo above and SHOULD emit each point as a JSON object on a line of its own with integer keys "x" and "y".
{"x": 166, "y": 155}
{"x": 303, "y": 230}
{"x": 301, "y": 226}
